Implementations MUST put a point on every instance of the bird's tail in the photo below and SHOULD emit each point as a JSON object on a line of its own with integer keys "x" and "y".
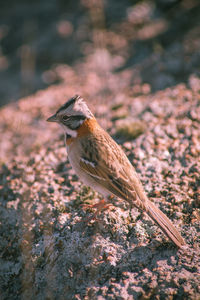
{"x": 165, "y": 224}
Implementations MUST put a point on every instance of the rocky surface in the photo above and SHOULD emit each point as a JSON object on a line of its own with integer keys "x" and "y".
{"x": 145, "y": 91}
{"x": 47, "y": 252}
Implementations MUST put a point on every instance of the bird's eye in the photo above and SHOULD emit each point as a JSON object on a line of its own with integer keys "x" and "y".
{"x": 64, "y": 118}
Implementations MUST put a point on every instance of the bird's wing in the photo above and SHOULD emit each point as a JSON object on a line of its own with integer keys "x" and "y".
{"x": 108, "y": 165}
{"x": 103, "y": 175}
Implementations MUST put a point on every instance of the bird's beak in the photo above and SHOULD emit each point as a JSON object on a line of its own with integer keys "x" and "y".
{"x": 52, "y": 119}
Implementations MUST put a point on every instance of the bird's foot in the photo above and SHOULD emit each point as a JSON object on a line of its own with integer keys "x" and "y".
{"x": 100, "y": 206}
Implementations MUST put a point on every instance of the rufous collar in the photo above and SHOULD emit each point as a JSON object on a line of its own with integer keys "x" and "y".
{"x": 86, "y": 127}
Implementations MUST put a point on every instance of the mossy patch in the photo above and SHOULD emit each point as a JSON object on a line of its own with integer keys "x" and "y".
{"x": 129, "y": 129}
{"x": 117, "y": 106}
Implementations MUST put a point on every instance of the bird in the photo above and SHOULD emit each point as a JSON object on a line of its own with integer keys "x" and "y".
{"x": 101, "y": 163}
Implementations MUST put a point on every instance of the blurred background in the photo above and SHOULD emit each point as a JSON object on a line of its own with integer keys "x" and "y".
{"x": 159, "y": 40}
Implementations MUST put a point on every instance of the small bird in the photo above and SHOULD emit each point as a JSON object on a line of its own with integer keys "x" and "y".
{"x": 101, "y": 163}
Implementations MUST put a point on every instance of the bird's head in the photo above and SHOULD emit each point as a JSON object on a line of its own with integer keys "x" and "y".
{"x": 71, "y": 115}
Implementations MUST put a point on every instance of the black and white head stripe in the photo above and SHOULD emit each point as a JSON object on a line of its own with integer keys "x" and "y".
{"x": 75, "y": 106}
{"x": 69, "y": 103}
